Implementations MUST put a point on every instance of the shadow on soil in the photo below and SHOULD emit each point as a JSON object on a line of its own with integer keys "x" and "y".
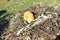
{"x": 3, "y": 22}
{"x": 58, "y": 37}
{"x": 2, "y": 12}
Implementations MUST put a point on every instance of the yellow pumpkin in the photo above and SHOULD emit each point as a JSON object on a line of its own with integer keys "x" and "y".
{"x": 28, "y": 16}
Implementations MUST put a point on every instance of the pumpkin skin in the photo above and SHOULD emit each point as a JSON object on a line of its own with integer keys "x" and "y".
{"x": 28, "y": 16}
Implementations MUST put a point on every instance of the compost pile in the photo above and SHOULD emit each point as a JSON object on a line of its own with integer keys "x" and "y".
{"x": 46, "y": 30}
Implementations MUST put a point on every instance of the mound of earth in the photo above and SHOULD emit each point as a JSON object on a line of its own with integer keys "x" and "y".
{"x": 46, "y": 30}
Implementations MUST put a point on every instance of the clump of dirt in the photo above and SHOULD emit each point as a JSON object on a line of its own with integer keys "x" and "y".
{"x": 47, "y": 30}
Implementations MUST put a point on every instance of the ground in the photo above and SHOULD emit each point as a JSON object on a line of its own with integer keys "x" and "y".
{"x": 9, "y": 8}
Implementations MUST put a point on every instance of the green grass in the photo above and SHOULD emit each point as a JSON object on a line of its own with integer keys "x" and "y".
{"x": 17, "y": 5}
{"x": 13, "y": 6}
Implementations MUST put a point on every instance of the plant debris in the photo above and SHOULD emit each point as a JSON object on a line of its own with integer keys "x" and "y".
{"x": 44, "y": 27}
